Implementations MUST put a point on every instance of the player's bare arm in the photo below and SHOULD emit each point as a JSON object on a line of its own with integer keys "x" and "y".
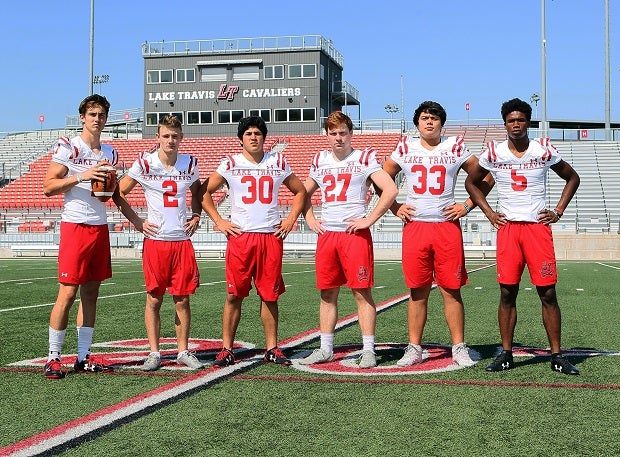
{"x": 568, "y": 174}
{"x": 315, "y": 224}
{"x": 476, "y": 185}
{"x": 56, "y": 180}
{"x": 193, "y": 222}
{"x": 125, "y": 186}
{"x": 400, "y": 210}
{"x": 298, "y": 190}
{"x": 215, "y": 182}
{"x": 461, "y": 209}
{"x": 386, "y": 188}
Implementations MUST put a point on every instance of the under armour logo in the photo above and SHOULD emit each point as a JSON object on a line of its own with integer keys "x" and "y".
{"x": 64, "y": 275}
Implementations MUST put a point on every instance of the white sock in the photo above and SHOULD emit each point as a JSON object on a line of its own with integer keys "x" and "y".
{"x": 327, "y": 342}
{"x": 85, "y": 340}
{"x": 56, "y": 339}
{"x": 368, "y": 342}
{"x": 182, "y": 352}
{"x": 156, "y": 353}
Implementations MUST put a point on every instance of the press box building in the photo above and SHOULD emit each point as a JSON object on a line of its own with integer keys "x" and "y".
{"x": 292, "y": 82}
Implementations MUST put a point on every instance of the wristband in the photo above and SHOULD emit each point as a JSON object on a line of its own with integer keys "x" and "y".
{"x": 79, "y": 177}
{"x": 195, "y": 215}
{"x": 557, "y": 212}
{"x": 467, "y": 207}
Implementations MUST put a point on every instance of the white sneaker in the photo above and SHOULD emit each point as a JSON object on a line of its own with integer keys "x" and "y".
{"x": 461, "y": 355}
{"x": 189, "y": 359}
{"x": 413, "y": 355}
{"x": 367, "y": 360}
{"x": 152, "y": 362}
{"x": 317, "y": 356}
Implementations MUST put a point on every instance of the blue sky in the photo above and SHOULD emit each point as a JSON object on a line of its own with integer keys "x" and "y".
{"x": 481, "y": 52}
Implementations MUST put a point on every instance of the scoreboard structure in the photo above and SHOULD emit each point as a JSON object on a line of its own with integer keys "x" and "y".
{"x": 292, "y": 82}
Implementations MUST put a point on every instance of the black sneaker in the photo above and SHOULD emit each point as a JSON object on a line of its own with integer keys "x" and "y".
{"x": 90, "y": 365}
{"x": 503, "y": 361}
{"x": 562, "y": 365}
{"x": 275, "y": 355}
{"x": 224, "y": 358}
{"x": 54, "y": 370}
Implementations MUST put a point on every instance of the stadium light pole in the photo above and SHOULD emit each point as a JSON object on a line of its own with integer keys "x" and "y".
{"x": 535, "y": 98}
{"x": 101, "y": 79}
{"x": 92, "y": 47}
{"x": 607, "y": 77}
{"x": 543, "y": 92}
{"x": 391, "y": 109}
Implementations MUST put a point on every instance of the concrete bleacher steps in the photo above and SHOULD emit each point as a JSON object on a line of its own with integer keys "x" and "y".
{"x": 595, "y": 208}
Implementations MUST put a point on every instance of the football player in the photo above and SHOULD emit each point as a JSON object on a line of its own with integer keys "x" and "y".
{"x": 520, "y": 167}
{"x": 84, "y": 258}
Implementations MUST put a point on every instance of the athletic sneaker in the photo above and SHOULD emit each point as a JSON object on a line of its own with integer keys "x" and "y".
{"x": 317, "y": 356}
{"x": 189, "y": 359}
{"x": 152, "y": 363}
{"x": 503, "y": 361}
{"x": 562, "y": 365}
{"x": 461, "y": 355}
{"x": 54, "y": 369}
{"x": 413, "y": 355}
{"x": 89, "y": 365}
{"x": 367, "y": 360}
{"x": 275, "y": 355}
{"x": 224, "y": 358}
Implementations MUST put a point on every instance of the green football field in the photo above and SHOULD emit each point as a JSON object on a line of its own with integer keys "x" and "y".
{"x": 252, "y": 408}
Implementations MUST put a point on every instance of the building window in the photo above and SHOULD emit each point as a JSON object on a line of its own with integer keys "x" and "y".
{"x": 151, "y": 118}
{"x": 186, "y": 75}
{"x": 302, "y": 71}
{"x": 295, "y": 115}
{"x": 274, "y": 72}
{"x": 264, "y": 113}
{"x": 245, "y": 73}
{"x": 229, "y": 117}
{"x": 154, "y": 118}
{"x": 159, "y": 77}
{"x": 199, "y": 117}
{"x": 213, "y": 74}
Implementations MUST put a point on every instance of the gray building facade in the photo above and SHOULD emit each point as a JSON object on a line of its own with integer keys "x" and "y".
{"x": 292, "y": 82}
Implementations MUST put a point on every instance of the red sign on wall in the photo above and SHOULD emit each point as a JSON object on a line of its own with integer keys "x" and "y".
{"x": 584, "y": 134}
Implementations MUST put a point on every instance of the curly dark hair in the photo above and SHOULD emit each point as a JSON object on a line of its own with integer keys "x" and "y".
{"x": 516, "y": 104}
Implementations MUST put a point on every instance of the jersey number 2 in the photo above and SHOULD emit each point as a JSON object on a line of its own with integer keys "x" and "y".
{"x": 170, "y": 193}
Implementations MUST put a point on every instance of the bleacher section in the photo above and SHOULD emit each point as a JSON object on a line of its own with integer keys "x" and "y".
{"x": 596, "y": 207}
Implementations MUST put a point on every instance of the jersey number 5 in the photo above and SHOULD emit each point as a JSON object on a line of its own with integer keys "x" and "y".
{"x": 519, "y": 182}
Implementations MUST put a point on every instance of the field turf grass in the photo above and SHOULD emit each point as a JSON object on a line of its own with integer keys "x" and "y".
{"x": 281, "y": 411}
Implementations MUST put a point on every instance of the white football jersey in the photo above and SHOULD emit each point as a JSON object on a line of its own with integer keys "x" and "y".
{"x": 166, "y": 191}
{"x": 344, "y": 185}
{"x": 431, "y": 174}
{"x": 81, "y": 207}
{"x": 521, "y": 182}
{"x": 253, "y": 190}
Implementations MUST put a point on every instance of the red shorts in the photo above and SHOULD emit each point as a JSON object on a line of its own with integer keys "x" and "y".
{"x": 255, "y": 256}
{"x": 526, "y": 243}
{"x": 84, "y": 253}
{"x": 433, "y": 251}
{"x": 170, "y": 265}
{"x": 344, "y": 258}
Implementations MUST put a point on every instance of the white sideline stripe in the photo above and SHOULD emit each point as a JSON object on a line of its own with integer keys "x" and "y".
{"x": 48, "y": 440}
{"x": 96, "y": 420}
{"x": 103, "y": 297}
{"x": 608, "y": 266}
